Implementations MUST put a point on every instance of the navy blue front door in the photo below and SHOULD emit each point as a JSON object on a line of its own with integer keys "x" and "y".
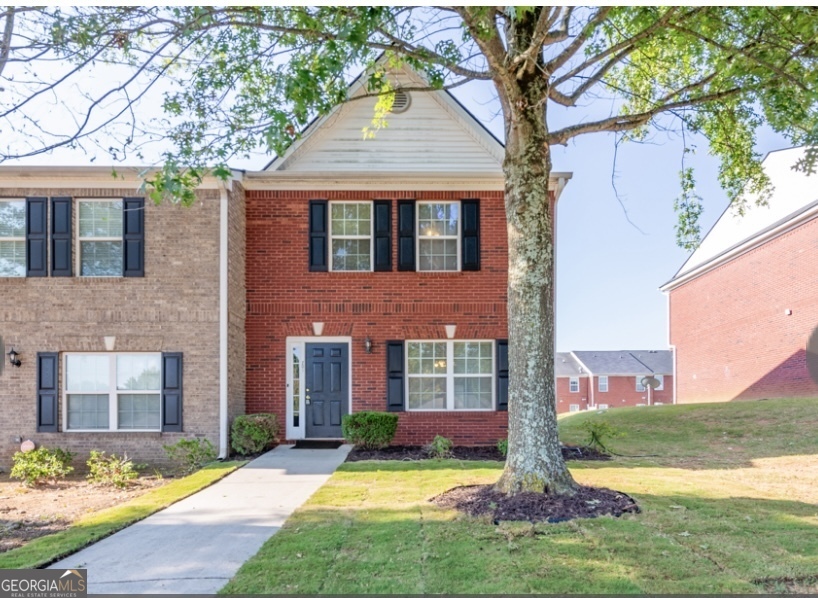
{"x": 327, "y": 389}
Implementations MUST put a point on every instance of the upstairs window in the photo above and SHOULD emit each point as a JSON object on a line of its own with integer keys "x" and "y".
{"x": 603, "y": 384}
{"x": 100, "y": 238}
{"x": 573, "y": 384}
{"x": 12, "y": 238}
{"x": 438, "y": 236}
{"x": 351, "y": 236}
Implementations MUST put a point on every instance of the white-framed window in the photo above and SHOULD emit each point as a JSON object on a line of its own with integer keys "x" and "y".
{"x": 641, "y": 388}
{"x": 350, "y": 236}
{"x": 112, "y": 391}
{"x": 602, "y": 406}
{"x": 438, "y": 237}
{"x": 99, "y": 241}
{"x": 573, "y": 408}
{"x": 450, "y": 375}
{"x": 12, "y": 237}
{"x": 603, "y": 384}
{"x": 573, "y": 384}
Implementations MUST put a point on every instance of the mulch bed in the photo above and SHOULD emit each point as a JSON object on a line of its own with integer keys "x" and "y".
{"x": 535, "y": 507}
{"x": 465, "y": 453}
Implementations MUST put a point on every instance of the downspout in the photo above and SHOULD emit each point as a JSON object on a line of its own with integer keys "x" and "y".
{"x": 223, "y": 316}
{"x": 671, "y": 346}
{"x": 590, "y": 379}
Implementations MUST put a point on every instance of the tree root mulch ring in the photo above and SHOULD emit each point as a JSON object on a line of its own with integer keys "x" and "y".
{"x": 535, "y": 507}
{"x": 465, "y": 453}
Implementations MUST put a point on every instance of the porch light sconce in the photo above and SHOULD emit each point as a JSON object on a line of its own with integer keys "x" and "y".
{"x": 317, "y": 328}
{"x": 450, "y": 330}
{"x": 13, "y": 358}
{"x": 368, "y": 345}
{"x": 110, "y": 342}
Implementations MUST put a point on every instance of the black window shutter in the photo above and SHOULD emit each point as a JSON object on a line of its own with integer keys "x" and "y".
{"x": 406, "y": 235}
{"x": 171, "y": 392}
{"x": 133, "y": 236}
{"x": 36, "y": 236}
{"x": 61, "y": 236}
{"x": 318, "y": 235}
{"x": 47, "y": 392}
{"x": 383, "y": 235}
{"x": 394, "y": 376}
{"x": 502, "y": 375}
{"x": 471, "y": 234}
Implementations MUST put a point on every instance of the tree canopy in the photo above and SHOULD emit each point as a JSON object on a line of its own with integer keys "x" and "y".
{"x": 241, "y": 79}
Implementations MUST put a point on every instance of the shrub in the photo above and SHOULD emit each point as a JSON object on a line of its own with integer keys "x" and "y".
{"x": 191, "y": 453}
{"x": 41, "y": 465}
{"x": 253, "y": 433}
{"x": 111, "y": 470}
{"x": 598, "y": 431}
{"x": 502, "y": 446}
{"x": 369, "y": 429}
{"x": 440, "y": 447}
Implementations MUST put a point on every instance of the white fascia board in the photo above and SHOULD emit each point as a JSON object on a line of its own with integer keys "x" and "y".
{"x": 97, "y": 177}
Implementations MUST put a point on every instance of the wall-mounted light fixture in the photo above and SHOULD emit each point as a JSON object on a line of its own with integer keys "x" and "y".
{"x": 13, "y": 358}
{"x": 368, "y": 345}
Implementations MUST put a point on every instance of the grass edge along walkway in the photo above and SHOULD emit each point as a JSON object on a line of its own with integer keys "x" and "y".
{"x": 93, "y": 527}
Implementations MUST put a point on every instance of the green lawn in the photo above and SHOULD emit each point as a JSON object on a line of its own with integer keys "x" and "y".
{"x": 729, "y": 505}
{"x": 92, "y": 528}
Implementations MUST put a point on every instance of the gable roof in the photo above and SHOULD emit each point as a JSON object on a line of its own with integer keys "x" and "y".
{"x": 793, "y": 201}
{"x": 626, "y": 363}
{"x": 565, "y": 364}
{"x": 435, "y": 134}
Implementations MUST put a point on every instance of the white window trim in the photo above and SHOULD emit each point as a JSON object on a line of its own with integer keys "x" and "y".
{"x": 78, "y": 239}
{"x": 371, "y": 236}
{"x": 113, "y": 393}
{"x": 459, "y": 237}
{"x": 600, "y": 386}
{"x": 450, "y": 375}
{"x": 17, "y": 239}
{"x": 571, "y": 381}
{"x": 573, "y": 408}
{"x": 300, "y": 432}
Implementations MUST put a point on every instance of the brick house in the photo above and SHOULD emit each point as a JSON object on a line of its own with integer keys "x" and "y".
{"x": 607, "y": 379}
{"x": 350, "y": 274}
{"x": 743, "y": 306}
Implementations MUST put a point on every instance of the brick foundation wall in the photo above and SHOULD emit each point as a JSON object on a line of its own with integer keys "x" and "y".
{"x": 284, "y": 298}
{"x": 173, "y": 308}
{"x": 732, "y": 336}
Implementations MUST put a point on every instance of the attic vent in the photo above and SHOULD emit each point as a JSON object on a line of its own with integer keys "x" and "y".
{"x": 401, "y": 103}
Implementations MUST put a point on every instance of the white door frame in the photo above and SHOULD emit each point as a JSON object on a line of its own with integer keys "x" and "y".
{"x": 293, "y": 342}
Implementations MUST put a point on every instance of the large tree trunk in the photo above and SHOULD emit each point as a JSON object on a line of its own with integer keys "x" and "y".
{"x": 534, "y": 460}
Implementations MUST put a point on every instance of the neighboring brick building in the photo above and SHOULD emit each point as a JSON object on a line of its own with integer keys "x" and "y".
{"x": 607, "y": 379}
{"x": 743, "y": 306}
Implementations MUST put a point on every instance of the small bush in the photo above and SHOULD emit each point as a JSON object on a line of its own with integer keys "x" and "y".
{"x": 111, "y": 470}
{"x": 253, "y": 433}
{"x": 440, "y": 447}
{"x": 41, "y": 465}
{"x": 598, "y": 431}
{"x": 369, "y": 429}
{"x": 191, "y": 453}
{"x": 502, "y": 446}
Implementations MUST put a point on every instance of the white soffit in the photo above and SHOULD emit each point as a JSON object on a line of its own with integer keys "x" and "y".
{"x": 434, "y": 135}
{"x": 794, "y": 191}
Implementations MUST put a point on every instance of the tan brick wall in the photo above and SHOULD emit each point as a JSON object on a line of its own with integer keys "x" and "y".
{"x": 173, "y": 308}
{"x": 237, "y": 302}
{"x": 734, "y": 338}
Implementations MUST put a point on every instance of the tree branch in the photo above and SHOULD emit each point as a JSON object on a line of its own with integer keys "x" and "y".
{"x": 583, "y": 36}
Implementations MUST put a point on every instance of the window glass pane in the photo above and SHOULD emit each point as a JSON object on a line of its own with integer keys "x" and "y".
{"x": 438, "y": 219}
{"x": 100, "y": 218}
{"x": 138, "y": 412}
{"x": 137, "y": 372}
{"x": 437, "y": 254}
{"x": 427, "y": 358}
{"x": 12, "y": 258}
{"x": 472, "y": 358}
{"x": 101, "y": 258}
{"x": 12, "y": 219}
{"x": 87, "y": 412}
{"x": 427, "y": 393}
{"x": 296, "y": 391}
{"x": 472, "y": 393}
{"x": 87, "y": 373}
{"x": 349, "y": 254}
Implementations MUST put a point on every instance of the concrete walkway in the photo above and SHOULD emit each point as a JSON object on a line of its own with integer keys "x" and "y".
{"x": 196, "y": 545}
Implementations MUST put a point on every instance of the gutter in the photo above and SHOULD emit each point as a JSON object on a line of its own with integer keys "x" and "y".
{"x": 591, "y": 379}
{"x": 223, "y": 317}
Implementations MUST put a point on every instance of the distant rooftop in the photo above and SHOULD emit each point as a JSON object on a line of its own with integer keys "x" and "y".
{"x": 626, "y": 363}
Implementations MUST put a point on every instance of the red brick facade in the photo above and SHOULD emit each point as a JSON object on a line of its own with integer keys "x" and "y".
{"x": 284, "y": 298}
{"x": 741, "y": 329}
{"x": 621, "y": 393}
